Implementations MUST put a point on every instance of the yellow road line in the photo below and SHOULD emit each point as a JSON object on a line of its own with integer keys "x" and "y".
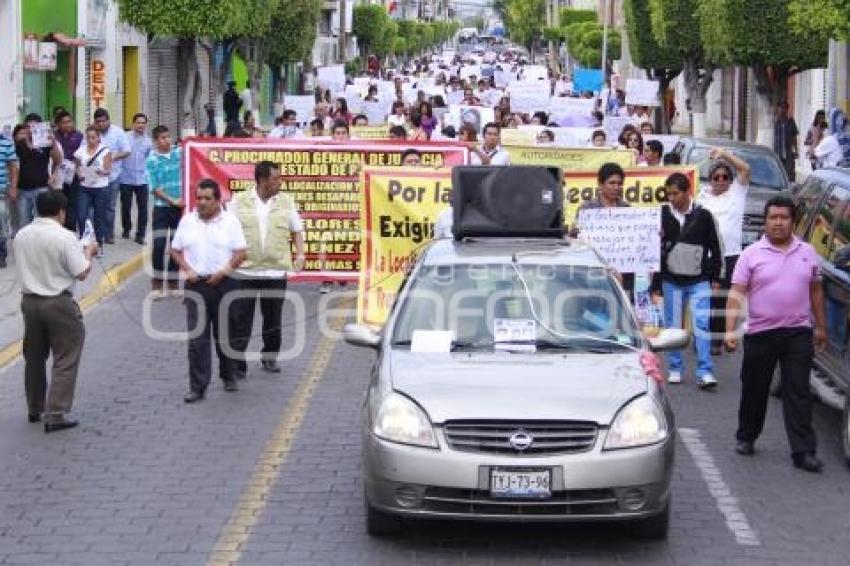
{"x": 233, "y": 538}
{"x": 107, "y": 285}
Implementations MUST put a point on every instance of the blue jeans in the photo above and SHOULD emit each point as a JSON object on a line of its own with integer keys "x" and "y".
{"x": 96, "y": 200}
{"x": 26, "y": 205}
{"x": 114, "y": 191}
{"x": 4, "y": 223}
{"x": 698, "y": 299}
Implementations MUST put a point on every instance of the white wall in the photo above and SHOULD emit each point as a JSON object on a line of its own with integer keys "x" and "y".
{"x": 11, "y": 74}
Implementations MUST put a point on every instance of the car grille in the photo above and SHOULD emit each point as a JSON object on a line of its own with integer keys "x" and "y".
{"x": 753, "y": 221}
{"x": 478, "y": 502}
{"x": 548, "y": 437}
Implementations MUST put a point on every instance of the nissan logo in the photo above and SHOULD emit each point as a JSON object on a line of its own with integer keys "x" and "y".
{"x": 521, "y": 440}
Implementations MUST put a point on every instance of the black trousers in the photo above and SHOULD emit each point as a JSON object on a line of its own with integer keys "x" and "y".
{"x": 165, "y": 221}
{"x": 270, "y": 293}
{"x": 141, "y": 194}
{"x": 203, "y": 304}
{"x": 718, "y": 303}
{"x": 793, "y": 348}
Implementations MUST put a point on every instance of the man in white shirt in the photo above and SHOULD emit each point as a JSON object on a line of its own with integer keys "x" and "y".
{"x": 270, "y": 224}
{"x": 491, "y": 151}
{"x": 116, "y": 140}
{"x": 726, "y": 199}
{"x": 288, "y": 127}
{"x": 49, "y": 260}
{"x": 207, "y": 247}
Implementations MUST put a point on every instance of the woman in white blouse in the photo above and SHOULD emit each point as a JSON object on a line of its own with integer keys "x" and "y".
{"x": 93, "y": 165}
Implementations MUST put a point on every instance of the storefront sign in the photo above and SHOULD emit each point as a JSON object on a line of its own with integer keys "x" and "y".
{"x": 98, "y": 83}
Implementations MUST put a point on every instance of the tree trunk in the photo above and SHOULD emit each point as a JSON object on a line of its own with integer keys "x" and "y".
{"x": 772, "y": 88}
{"x": 188, "y": 65}
{"x": 664, "y": 78}
{"x": 697, "y": 80}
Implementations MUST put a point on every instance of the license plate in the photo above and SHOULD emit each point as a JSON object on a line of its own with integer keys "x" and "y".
{"x": 521, "y": 483}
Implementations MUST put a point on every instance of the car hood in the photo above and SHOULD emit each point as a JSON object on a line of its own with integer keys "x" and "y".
{"x": 572, "y": 386}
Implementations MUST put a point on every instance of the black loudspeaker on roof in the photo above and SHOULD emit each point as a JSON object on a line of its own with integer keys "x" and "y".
{"x": 513, "y": 201}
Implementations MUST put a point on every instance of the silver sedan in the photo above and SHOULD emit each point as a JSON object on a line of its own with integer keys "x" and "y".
{"x": 513, "y": 383}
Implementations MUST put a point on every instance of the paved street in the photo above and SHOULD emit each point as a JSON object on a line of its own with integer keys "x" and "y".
{"x": 147, "y": 479}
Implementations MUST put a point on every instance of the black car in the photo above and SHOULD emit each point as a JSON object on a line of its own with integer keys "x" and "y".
{"x": 823, "y": 220}
{"x": 767, "y": 175}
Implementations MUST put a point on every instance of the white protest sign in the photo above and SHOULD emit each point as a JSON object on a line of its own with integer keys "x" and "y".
{"x": 331, "y": 78}
{"x": 535, "y": 73}
{"x": 303, "y": 106}
{"x": 478, "y": 116}
{"x": 353, "y": 100}
{"x": 501, "y": 77}
{"x": 454, "y": 97}
{"x": 627, "y": 238}
{"x": 642, "y": 92}
{"x": 562, "y": 106}
{"x": 375, "y": 112}
{"x": 361, "y": 84}
{"x": 613, "y": 126}
{"x": 564, "y": 137}
{"x": 529, "y": 97}
{"x": 470, "y": 71}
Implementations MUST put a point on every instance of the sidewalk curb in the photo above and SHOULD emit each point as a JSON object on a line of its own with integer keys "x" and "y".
{"x": 107, "y": 285}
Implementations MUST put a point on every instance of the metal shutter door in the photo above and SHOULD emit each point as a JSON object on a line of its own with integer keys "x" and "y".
{"x": 163, "y": 88}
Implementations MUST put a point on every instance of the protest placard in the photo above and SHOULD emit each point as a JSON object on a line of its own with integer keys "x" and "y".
{"x": 331, "y": 78}
{"x": 303, "y": 106}
{"x": 642, "y": 92}
{"x": 376, "y": 112}
{"x": 627, "y": 238}
{"x": 454, "y": 97}
{"x": 668, "y": 141}
{"x": 563, "y": 106}
{"x": 322, "y": 177}
{"x": 478, "y": 116}
{"x": 613, "y": 126}
{"x": 588, "y": 80}
{"x": 529, "y": 97}
{"x": 412, "y": 198}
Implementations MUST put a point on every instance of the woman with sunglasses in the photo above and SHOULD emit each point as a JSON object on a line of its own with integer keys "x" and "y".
{"x": 725, "y": 197}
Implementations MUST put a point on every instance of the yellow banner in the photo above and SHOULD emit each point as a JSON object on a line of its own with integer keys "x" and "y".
{"x": 643, "y": 186}
{"x": 568, "y": 158}
{"x": 397, "y": 216}
{"x": 381, "y": 132}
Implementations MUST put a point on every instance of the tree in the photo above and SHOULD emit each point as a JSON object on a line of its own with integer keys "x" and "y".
{"x": 584, "y": 41}
{"x": 524, "y": 19}
{"x": 756, "y": 34}
{"x": 661, "y": 63}
{"x": 576, "y": 15}
{"x": 293, "y": 32}
{"x": 675, "y": 25}
{"x": 818, "y": 18}
{"x": 190, "y": 21}
{"x": 370, "y": 25}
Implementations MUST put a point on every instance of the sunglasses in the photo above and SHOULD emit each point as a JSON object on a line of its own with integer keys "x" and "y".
{"x": 720, "y": 178}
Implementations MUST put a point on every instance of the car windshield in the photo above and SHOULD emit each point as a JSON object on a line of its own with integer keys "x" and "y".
{"x": 764, "y": 169}
{"x": 487, "y": 306}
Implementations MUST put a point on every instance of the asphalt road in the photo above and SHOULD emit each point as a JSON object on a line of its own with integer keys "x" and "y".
{"x": 271, "y": 474}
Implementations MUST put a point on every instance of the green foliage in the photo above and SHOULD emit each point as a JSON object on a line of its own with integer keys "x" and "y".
{"x": 293, "y": 31}
{"x": 524, "y": 19}
{"x": 195, "y": 19}
{"x": 555, "y": 35}
{"x": 676, "y": 25}
{"x": 756, "y": 33}
{"x": 353, "y": 67}
{"x": 575, "y": 15}
{"x": 399, "y": 46}
{"x": 645, "y": 49}
{"x": 370, "y": 24}
{"x": 584, "y": 41}
{"x": 820, "y": 18}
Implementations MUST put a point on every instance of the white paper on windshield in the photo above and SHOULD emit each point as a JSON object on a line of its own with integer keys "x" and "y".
{"x": 514, "y": 330}
{"x": 432, "y": 341}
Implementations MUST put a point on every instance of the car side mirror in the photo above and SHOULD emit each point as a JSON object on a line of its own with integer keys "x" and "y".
{"x": 361, "y": 335}
{"x": 669, "y": 339}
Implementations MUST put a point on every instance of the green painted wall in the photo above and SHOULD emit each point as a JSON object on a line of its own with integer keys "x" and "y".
{"x": 45, "y": 16}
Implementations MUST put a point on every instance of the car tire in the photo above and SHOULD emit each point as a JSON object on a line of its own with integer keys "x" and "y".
{"x": 655, "y": 527}
{"x": 379, "y": 523}
{"x": 845, "y": 430}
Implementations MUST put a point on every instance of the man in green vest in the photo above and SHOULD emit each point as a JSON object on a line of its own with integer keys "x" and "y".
{"x": 271, "y": 223}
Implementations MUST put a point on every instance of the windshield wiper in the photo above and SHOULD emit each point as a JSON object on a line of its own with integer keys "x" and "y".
{"x": 578, "y": 346}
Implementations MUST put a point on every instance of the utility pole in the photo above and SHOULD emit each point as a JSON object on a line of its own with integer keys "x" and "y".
{"x": 605, "y": 41}
{"x": 342, "y": 42}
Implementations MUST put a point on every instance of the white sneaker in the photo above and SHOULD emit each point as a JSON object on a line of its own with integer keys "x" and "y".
{"x": 707, "y": 381}
{"x": 674, "y": 377}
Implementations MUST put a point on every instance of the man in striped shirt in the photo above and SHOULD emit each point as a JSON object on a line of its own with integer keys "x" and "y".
{"x": 163, "y": 178}
{"x": 8, "y": 186}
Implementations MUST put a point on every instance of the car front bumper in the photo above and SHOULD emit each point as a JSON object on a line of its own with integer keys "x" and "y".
{"x": 594, "y": 485}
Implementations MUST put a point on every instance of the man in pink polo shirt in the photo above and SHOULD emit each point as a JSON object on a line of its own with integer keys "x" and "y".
{"x": 780, "y": 277}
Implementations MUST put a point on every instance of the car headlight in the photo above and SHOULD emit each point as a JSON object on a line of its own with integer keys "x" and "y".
{"x": 398, "y": 419}
{"x": 640, "y": 423}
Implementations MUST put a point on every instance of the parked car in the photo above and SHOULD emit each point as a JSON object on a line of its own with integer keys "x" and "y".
{"x": 767, "y": 175}
{"x": 823, "y": 220}
{"x": 482, "y": 406}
